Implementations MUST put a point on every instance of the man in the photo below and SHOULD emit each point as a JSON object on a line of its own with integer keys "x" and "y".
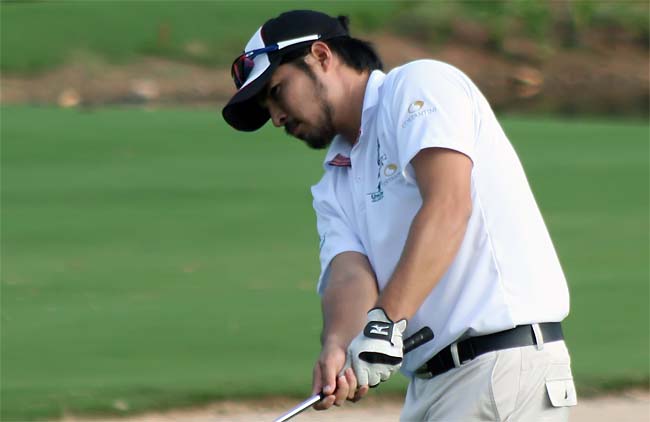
{"x": 425, "y": 218}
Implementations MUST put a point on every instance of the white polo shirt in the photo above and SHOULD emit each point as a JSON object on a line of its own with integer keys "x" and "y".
{"x": 506, "y": 272}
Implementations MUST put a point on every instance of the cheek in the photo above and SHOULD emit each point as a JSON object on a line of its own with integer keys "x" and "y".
{"x": 312, "y": 113}
{"x": 302, "y": 103}
{"x": 311, "y": 110}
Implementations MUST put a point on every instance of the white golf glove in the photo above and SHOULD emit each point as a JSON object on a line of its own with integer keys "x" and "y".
{"x": 376, "y": 353}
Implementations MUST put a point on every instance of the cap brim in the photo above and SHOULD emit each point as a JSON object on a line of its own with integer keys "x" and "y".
{"x": 243, "y": 112}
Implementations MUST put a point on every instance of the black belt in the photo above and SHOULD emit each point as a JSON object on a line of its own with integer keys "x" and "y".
{"x": 472, "y": 347}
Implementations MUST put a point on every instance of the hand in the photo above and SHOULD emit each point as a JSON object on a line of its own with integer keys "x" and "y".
{"x": 330, "y": 378}
{"x": 376, "y": 353}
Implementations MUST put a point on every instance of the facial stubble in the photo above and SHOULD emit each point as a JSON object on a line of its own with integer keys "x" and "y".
{"x": 323, "y": 133}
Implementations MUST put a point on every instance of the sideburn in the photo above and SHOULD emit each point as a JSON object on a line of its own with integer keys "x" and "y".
{"x": 328, "y": 133}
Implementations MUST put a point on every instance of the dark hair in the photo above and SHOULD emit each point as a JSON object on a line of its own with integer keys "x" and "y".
{"x": 358, "y": 54}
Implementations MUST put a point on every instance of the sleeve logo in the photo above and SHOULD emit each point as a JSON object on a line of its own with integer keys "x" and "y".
{"x": 416, "y": 106}
{"x": 416, "y": 109}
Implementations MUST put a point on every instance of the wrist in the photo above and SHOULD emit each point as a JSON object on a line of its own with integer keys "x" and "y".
{"x": 378, "y": 313}
{"x": 392, "y": 311}
{"x": 335, "y": 341}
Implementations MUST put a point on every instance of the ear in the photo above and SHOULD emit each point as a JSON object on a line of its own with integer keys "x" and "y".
{"x": 321, "y": 55}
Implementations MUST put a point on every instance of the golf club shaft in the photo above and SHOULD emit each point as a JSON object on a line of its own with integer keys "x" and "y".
{"x": 301, "y": 407}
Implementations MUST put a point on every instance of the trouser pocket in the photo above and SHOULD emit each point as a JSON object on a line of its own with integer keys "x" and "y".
{"x": 560, "y": 387}
{"x": 505, "y": 382}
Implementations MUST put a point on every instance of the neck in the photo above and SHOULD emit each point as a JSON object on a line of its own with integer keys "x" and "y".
{"x": 351, "y": 105}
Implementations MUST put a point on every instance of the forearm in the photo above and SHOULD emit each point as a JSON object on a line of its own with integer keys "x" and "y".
{"x": 434, "y": 238}
{"x": 350, "y": 293}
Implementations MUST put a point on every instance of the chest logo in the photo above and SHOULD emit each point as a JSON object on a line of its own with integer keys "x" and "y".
{"x": 390, "y": 170}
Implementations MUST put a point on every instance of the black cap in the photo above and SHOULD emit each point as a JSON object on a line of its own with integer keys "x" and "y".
{"x": 242, "y": 111}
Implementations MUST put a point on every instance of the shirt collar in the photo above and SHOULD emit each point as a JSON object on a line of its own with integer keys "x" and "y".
{"x": 370, "y": 98}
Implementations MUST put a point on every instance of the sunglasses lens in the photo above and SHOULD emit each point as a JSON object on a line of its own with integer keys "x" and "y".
{"x": 241, "y": 68}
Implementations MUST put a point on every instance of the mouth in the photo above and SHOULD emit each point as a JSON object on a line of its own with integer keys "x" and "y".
{"x": 292, "y": 129}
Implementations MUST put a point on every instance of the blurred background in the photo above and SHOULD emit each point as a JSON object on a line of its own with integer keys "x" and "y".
{"x": 562, "y": 56}
{"x": 144, "y": 242}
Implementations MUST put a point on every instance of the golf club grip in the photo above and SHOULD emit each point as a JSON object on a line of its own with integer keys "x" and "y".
{"x": 421, "y": 336}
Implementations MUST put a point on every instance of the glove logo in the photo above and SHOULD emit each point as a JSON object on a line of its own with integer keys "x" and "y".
{"x": 379, "y": 329}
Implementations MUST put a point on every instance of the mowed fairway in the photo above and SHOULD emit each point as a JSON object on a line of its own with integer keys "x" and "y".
{"x": 158, "y": 258}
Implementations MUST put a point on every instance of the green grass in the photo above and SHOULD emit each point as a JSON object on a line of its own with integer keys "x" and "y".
{"x": 142, "y": 251}
{"x": 38, "y": 35}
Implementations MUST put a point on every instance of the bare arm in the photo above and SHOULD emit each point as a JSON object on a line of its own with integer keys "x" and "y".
{"x": 351, "y": 291}
{"x": 443, "y": 177}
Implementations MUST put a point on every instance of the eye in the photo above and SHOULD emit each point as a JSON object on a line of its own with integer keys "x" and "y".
{"x": 274, "y": 92}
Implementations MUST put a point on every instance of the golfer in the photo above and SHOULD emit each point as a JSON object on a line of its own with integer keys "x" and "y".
{"x": 426, "y": 219}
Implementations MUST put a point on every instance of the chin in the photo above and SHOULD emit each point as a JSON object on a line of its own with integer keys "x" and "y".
{"x": 317, "y": 143}
{"x": 314, "y": 140}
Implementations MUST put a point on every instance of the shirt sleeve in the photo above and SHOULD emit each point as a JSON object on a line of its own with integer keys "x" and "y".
{"x": 334, "y": 229}
{"x": 433, "y": 107}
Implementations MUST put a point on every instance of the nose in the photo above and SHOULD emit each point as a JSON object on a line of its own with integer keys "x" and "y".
{"x": 278, "y": 116}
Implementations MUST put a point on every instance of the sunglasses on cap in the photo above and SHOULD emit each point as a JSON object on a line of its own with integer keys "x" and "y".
{"x": 244, "y": 64}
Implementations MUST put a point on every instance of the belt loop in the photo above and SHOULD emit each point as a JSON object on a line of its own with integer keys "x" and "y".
{"x": 453, "y": 347}
{"x": 539, "y": 337}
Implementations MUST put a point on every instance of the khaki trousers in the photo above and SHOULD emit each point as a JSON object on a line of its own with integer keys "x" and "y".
{"x": 528, "y": 384}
